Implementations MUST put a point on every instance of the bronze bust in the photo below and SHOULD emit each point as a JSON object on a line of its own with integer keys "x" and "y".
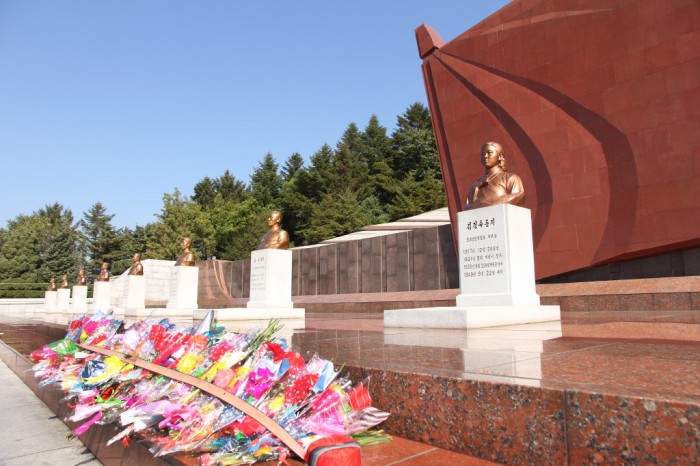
{"x": 81, "y": 278}
{"x": 187, "y": 256}
{"x": 104, "y": 273}
{"x": 136, "y": 266}
{"x": 52, "y": 285}
{"x": 497, "y": 186}
{"x": 276, "y": 237}
{"x": 64, "y": 281}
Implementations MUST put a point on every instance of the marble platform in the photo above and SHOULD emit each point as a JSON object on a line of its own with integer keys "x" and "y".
{"x": 513, "y": 394}
{"x": 20, "y": 336}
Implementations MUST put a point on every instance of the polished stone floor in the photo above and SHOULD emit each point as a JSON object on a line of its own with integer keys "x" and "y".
{"x": 538, "y": 355}
{"x": 23, "y": 335}
{"x": 646, "y": 356}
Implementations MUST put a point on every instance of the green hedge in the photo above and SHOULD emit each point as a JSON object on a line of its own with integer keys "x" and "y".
{"x": 25, "y": 290}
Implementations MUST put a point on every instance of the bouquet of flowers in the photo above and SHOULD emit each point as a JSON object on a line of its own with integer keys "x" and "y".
{"x": 158, "y": 380}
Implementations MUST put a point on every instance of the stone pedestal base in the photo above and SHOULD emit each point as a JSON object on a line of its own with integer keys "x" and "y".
{"x": 80, "y": 298}
{"x": 101, "y": 296}
{"x": 63, "y": 300}
{"x": 469, "y": 317}
{"x": 135, "y": 292}
{"x": 496, "y": 275}
{"x": 496, "y": 257}
{"x": 51, "y": 301}
{"x": 271, "y": 279}
{"x": 184, "y": 283}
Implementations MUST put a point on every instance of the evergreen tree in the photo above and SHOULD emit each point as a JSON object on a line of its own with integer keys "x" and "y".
{"x": 337, "y": 214}
{"x": 414, "y": 144}
{"x": 204, "y": 192}
{"x": 101, "y": 240}
{"x": 61, "y": 256}
{"x": 130, "y": 242}
{"x": 58, "y": 250}
{"x": 377, "y": 151}
{"x": 321, "y": 177}
{"x": 226, "y": 186}
{"x": 351, "y": 139}
{"x": 350, "y": 164}
{"x": 375, "y": 145}
{"x": 230, "y": 188}
{"x": 415, "y": 196}
{"x": 265, "y": 182}
{"x": 416, "y": 116}
{"x": 372, "y": 210}
{"x": 293, "y": 164}
{"x": 19, "y": 250}
{"x": 295, "y": 206}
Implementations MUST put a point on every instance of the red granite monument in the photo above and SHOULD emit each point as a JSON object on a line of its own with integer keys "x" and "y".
{"x": 597, "y": 106}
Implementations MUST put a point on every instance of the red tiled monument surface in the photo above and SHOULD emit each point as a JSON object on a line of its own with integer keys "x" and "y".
{"x": 597, "y": 106}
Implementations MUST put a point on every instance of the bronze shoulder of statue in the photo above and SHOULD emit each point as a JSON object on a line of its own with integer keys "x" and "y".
{"x": 497, "y": 186}
{"x": 104, "y": 273}
{"x": 276, "y": 237}
{"x": 136, "y": 265}
{"x": 186, "y": 258}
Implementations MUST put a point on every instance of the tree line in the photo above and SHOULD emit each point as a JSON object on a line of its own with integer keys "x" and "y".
{"x": 369, "y": 177}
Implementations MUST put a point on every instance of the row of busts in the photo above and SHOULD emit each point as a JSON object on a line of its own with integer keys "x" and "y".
{"x": 275, "y": 238}
{"x": 64, "y": 281}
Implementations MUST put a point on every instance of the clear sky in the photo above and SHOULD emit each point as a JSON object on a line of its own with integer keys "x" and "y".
{"x": 122, "y": 101}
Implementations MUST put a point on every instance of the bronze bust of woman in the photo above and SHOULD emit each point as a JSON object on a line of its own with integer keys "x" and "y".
{"x": 497, "y": 186}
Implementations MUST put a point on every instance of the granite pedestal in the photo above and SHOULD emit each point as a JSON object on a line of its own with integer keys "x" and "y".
{"x": 270, "y": 291}
{"x": 51, "y": 302}
{"x": 101, "y": 296}
{"x": 497, "y": 275}
{"x": 63, "y": 300}
{"x": 183, "y": 288}
{"x": 135, "y": 296}
{"x": 79, "y": 303}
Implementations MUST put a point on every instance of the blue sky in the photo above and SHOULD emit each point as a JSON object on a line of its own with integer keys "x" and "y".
{"x": 122, "y": 101}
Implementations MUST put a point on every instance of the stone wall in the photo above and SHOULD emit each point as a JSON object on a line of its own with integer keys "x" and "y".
{"x": 420, "y": 259}
{"x": 157, "y": 274}
{"x": 596, "y": 104}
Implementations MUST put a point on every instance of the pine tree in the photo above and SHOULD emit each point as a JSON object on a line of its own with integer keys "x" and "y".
{"x": 414, "y": 144}
{"x": 415, "y": 196}
{"x": 61, "y": 256}
{"x": 58, "y": 250}
{"x": 291, "y": 166}
{"x": 375, "y": 145}
{"x": 295, "y": 206}
{"x": 101, "y": 240}
{"x": 350, "y": 164}
{"x": 130, "y": 242}
{"x": 230, "y": 188}
{"x": 204, "y": 192}
{"x": 337, "y": 214}
{"x": 265, "y": 182}
{"x": 19, "y": 250}
{"x": 377, "y": 151}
